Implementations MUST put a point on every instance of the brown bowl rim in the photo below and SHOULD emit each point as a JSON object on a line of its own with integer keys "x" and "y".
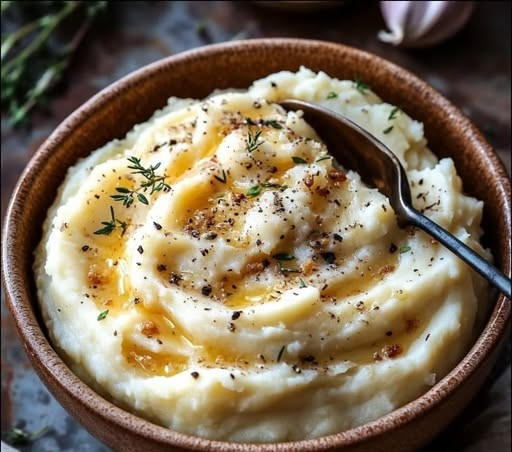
{"x": 40, "y": 350}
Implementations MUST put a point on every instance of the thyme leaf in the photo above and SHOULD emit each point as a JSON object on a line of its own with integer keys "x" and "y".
{"x": 151, "y": 181}
{"x": 361, "y": 86}
{"x": 102, "y": 315}
{"x": 272, "y": 123}
{"x": 222, "y": 179}
{"x": 254, "y": 191}
{"x": 393, "y": 113}
{"x": 252, "y": 142}
{"x": 283, "y": 257}
{"x": 109, "y": 226}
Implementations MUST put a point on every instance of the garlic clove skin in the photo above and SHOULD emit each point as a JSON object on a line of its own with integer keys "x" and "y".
{"x": 423, "y": 23}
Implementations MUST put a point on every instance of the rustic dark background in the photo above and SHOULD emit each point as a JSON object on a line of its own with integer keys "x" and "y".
{"x": 471, "y": 69}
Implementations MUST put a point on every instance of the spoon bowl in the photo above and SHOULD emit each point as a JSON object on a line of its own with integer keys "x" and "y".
{"x": 355, "y": 148}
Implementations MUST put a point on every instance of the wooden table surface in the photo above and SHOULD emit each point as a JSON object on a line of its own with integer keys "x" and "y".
{"x": 472, "y": 70}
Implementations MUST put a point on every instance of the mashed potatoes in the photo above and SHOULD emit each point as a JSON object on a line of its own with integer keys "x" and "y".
{"x": 217, "y": 273}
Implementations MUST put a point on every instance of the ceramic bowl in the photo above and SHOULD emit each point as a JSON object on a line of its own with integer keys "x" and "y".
{"x": 113, "y": 112}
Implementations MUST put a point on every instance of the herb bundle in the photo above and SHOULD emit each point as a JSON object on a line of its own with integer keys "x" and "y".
{"x": 32, "y": 60}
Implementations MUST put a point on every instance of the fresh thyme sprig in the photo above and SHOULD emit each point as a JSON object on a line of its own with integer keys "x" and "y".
{"x": 31, "y": 63}
{"x": 109, "y": 226}
{"x": 152, "y": 182}
{"x": 263, "y": 122}
{"x": 252, "y": 143}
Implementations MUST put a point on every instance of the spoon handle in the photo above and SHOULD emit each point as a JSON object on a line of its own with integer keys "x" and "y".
{"x": 474, "y": 260}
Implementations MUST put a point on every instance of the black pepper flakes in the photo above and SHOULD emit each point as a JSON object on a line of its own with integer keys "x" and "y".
{"x": 328, "y": 257}
{"x": 140, "y": 249}
{"x": 236, "y": 315}
{"x": 231, "y": 327}
{"x": 157, "y": 225}
{"x": 195, "y": 375}
{"x": 85, "y": 248}
{"x": 206, "y": 290}
{"x": 174, "y": 278}
{"x": 392, "y": 248}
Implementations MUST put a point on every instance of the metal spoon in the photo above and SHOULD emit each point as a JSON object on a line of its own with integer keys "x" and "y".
{"x": 355, "y": 148}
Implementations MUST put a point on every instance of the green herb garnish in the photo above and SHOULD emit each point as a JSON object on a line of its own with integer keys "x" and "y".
{"x": 302, "y": 284}
{"x": 298, "y": 160}
{"x": 272, "y": 123}
{"x": 283, "y": 257}
{"x": 393, "y": 113}
{"x": 109, "y": 226}
{"x": 36, "y": 54}
{"x": 327, "y": 157}
{"x": 222, "y": 179}
{"x": 254, "y": 191}
{"x": 331, "y": 95}
{"x": 102, "y": 315}
{"x": 269, "y": 185}
{"x": 152, "y": 181}
{"x": 404, "y": 249}
{"x": 252, "y": 142}
{"x": 386, "y": 131}
{"x": 361, "y": 86}
{"x": 263, "y": 122}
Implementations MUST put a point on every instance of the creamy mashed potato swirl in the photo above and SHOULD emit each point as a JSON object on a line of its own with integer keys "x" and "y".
{"x": 217, "y": 273}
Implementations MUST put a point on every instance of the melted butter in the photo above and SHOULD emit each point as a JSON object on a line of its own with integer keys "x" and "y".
{"x": 246, "y": 297}
{"x": 164, "y": 364}
{"x": 108, "y": 283}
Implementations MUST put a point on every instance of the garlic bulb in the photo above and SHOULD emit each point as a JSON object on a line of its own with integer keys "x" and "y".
{"x": 421, "y": 23}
